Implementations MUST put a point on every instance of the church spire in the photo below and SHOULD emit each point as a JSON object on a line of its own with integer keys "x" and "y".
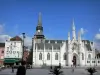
{"x": 73, "y": 30}
{"x": 39, "y": 28}
{"x": 40, "y": 19}
{"x": 79, "y": 36}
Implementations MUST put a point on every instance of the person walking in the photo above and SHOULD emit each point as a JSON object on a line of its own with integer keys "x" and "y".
{"x": 21, "y": 69}
{"x": 12, "y": 68}
{"x": 73, "y": 68}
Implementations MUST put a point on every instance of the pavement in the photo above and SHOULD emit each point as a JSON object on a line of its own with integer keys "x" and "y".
{"x": 46, "y": 72}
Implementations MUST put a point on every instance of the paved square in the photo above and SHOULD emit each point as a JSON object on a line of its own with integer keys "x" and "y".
{"x": 46, "y": 72}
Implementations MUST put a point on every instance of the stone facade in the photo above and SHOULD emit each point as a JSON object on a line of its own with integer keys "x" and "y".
{"x": 53, "y": 52}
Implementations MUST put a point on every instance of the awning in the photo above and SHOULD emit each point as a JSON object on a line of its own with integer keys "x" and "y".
{"x": 10, "y": 60}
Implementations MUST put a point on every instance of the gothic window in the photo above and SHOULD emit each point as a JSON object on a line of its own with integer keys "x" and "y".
{"x": 48, "y": 56}
{"x": 65, "y": 56}
{"x": 56, "y": 56}
{"x": 40, "y": 56}
{"x": 82, "y": 56}
{"x": 89, "y": 56}
{"x": 88, "y": 61}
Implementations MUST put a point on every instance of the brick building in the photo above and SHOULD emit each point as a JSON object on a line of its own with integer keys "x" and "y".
{"x": 2, "y": 48}
{"x": 26, "y": 54}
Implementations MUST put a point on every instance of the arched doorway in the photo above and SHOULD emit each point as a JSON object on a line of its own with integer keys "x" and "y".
{"x": 74, "y": 60}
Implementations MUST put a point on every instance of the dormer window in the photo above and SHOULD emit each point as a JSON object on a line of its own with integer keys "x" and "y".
{"x": 49, "y": 41}
{"x": 55, "y": 41}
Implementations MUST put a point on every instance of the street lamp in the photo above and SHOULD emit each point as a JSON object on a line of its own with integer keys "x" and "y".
{"x": 23, "y": 45}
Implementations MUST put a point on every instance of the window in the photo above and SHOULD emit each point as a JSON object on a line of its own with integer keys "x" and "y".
{"x": 89, "y": 56}
{"x": 40, "y": 56}
{"x": 17, "y": 51}
{"x": 98, "y": 61}
{"x": 48, "y": 56}
{"x": 14, "y": 52}
{"x": 11, "y": 47}
{"x": 88, "y": 61}
{"x": 56, "y": 56}
{"x": 14, "y": 43}
{"x": 93, "y": 61}
{"x": 10, "y": 52}
{"x": 55, "y": 48}
{"x": 82, "y": 56}
{"x": 7, "y": 48}
{"x": 65, "y": 56}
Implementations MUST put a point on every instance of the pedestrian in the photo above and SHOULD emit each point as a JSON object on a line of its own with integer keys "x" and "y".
{"x": 73, "y": 68}
{"x": 12, "y": 69}
{"x": 21, "y": 69}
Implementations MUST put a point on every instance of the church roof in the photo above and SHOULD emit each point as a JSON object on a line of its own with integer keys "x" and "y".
{"x": 56, "y": 44}
{"x": 55, "y": 41}
{"x": 16, "y": 38}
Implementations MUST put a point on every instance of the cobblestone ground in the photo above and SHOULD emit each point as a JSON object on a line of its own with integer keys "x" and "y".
{"x": 46, "y": 72}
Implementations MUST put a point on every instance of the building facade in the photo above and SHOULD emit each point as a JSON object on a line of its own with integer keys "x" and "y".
{"x": 2, "y": 49}
{"x": 53, "y": 52}
{"x": 13, "y": 50}
{"x": 26, "y": 54}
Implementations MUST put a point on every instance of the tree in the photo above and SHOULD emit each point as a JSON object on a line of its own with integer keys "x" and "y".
{"x": 30, "y": 57}
{"x": 56, "y": 71}
{"x": 91, "y": 70}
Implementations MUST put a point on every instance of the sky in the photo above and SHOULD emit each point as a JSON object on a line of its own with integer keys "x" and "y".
{"x": 18, "y": 16}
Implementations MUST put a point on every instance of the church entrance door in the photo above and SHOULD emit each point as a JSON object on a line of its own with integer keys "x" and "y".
{"x": 74, "y": 60}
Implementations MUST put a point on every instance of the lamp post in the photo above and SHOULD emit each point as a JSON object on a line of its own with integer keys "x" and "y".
{"x": 23, "y": 45}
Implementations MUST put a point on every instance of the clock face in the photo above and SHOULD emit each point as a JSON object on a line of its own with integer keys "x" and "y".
{"x": 38, "y": 30}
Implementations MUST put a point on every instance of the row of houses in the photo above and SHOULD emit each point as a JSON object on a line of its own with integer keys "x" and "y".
{"x": 12, "y": 50}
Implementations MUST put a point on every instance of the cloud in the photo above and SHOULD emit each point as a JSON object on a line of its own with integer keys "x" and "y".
{"x": 3, "y": 38}
{"x": 83, "y": 31}
{"x": 1, "y": 28}
{"x": 28, "y": 40}
{"x": 97, "y": 40}
{"x": 97, "y": 36}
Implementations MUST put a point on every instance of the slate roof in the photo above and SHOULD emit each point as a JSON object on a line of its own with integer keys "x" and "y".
{"x": 54, "y": 41}
{"x": 57, "y": 43}
{"x": 16, "y": 38}
{"x": 87, "y": 44}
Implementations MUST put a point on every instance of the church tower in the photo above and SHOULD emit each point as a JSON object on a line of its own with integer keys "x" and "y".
{"x": 39, "y": 29}
{"x": 73, "y": 31}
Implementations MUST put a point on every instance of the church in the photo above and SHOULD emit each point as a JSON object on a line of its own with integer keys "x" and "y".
{"x": 64, "y": 52}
